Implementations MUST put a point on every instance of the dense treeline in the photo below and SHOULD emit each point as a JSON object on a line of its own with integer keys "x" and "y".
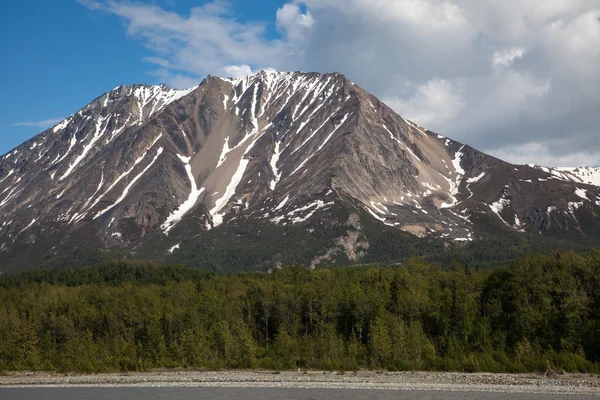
{"x": 542, "y": 312}
{"x": 111, "y": 272}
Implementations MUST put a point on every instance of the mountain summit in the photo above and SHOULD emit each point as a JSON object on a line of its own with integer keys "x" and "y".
{"x": 296, "y": 164}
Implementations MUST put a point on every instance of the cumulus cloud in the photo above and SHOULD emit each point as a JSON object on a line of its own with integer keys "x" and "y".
{"x": 510, "y": 77}
{"x": 437, "y": 101}
{"x": 506, "y": 57}
{"x": 209, "y": 40}
{"x": 237, "y": 71}
{"x": 293, "y": 21}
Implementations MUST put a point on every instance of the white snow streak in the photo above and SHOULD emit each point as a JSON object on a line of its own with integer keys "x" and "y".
{"x": 61, "y": 125}
{"x": 133, "y": 181}
{"x": 581, "y": 193}
{"x": 333, "y": 132}
{"x": 12, "y": 171}
{"x": 225, "y": 100}
{"x": 28, "y": 226}
{"x": 224, "y": 152}
{"x": 401, "y": 143}
{"x": 172, "y": 249}
{"x": 10, "y": 195}
{"x": 476, "y": 179}
{"x": 274, "y": 160}
{"x": 383, "y": 210}
{"x": 455, "y": 184}
{"x": 322, "y": 144}
{"x": 72, "y": 144}
{"x": 158, "y": 96}
{"x": 187, "y": 205}
{"x": 498, "y": 206}
{"x": 76, "y": 217}
{"x": 377, "y": 217}
{"x": 126, "y": 173}
{"x": 315, "y": 131}
{"x": 86, "y": 149}
{"x": 573, "y": 206}
{"x": 317, "y": 205}
{"x": 229, "y": 192}
{"x": 239, "y": 173}
{"x": 282, "y": 204}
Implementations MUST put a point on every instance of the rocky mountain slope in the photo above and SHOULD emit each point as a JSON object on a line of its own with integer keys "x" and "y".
{"x": 301, "y": 162}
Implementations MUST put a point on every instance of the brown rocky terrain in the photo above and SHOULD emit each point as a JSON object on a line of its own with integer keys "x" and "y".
{"x": 143, "y": 169}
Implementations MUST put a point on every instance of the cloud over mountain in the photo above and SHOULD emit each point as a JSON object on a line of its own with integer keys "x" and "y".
{"x": 512, "y": 78}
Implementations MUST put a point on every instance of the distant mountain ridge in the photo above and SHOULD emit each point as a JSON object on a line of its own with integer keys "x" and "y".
{"x": 589, "y": 175}
{"x": 152, "y": 172}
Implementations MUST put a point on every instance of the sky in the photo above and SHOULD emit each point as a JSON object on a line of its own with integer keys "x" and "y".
{"x": 519, "y": 79}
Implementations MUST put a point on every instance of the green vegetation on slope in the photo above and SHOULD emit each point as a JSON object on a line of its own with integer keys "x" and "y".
{"x": 252, "y": 245}
{"x": 541, "y": 312}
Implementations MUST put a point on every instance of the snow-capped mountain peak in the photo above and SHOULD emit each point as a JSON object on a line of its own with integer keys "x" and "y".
{"x": 146, "y": 165}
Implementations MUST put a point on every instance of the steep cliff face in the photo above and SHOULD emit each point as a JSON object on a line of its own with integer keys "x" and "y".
{"x": 143, "y": 167}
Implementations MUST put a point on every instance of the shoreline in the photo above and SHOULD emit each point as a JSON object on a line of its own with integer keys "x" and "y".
{"x": 567, "y": 384}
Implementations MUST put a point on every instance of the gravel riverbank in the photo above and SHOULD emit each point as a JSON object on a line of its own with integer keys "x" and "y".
{"x": 442, "y": 381}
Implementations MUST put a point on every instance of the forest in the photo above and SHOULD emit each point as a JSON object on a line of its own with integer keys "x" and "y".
{"x": 540, "y": 313}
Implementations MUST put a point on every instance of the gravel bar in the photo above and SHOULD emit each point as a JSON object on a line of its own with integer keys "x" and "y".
{"x": 577, "y": 384}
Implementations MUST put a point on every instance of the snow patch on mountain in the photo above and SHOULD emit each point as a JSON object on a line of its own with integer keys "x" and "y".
{"x": 157, "y": 97}
{"x": 498, "y": 206}
{"x": 188, "y": 204}
{"x": 172, "y": 249}
{"x": 581, "y": 193}
{"x": 62, "y": 125}
{"x": 131, "y": 184}
{"x": 224, "y": 151}
{"x": 314, "y": 207}
{"x": 282, "y": 204}
{"x": 12, "y": 171}
{"x": 459, "y": 172}
{"x": 86, "y": 149}
{"x": 476, "y": 178}
{"x": 274, "y": 160}
{"x": 589, "y": 175}
{"x": 573, "y": 206}
{"x": 322, "y": 144}
{"x": 83, "y": 211}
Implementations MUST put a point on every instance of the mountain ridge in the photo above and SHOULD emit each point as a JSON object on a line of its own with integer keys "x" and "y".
{"x": 143, "y": 166}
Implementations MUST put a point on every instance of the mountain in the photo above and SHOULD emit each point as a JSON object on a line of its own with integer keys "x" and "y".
{"x": 589, "y": 175}
{"x": 273, "y": 168}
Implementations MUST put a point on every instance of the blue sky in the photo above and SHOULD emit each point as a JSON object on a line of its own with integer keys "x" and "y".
{"x": 59, "y": 55}
{"x": 511, "y": 78}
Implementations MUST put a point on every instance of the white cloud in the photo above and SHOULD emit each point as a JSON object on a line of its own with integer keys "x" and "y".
{"x": 237, "y": 71}
{"x": 499, "y": 75}
{"x": 39, "y": 124}
{"x": 204, "y": 42}
{"x": 293, "y": 21}
{"x": 524, "y": 153}
{"x": 506, "y": 57}
{"x": 437, "y": 101}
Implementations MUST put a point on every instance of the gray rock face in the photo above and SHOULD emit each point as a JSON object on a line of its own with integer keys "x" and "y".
{"x": 279, "y": 148}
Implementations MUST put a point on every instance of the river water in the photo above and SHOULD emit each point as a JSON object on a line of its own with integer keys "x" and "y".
{"x": 205, "y": 393}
